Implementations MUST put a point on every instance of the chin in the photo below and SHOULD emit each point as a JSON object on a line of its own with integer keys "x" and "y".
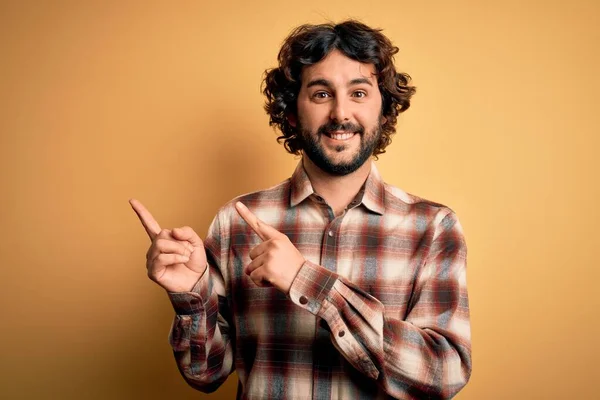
{"x": 344, "y": 158}
{"x": 340, "y": 167}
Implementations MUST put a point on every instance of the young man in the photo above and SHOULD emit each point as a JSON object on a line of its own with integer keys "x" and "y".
{"x": 332, "y": 284}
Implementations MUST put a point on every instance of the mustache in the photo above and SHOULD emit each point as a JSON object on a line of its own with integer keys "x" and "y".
{"x": 345, "y": 127}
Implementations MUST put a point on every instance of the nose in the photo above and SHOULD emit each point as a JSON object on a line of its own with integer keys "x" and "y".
{"x": 339, "y": 111}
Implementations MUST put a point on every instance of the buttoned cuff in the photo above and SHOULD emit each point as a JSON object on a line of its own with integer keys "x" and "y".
{"x": 192, "y": 302}
{"x": 311, "y": 286}
{"x": 341, "y": 335}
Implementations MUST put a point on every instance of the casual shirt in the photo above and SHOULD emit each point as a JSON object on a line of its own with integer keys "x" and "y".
{"x": 378, "y": 310}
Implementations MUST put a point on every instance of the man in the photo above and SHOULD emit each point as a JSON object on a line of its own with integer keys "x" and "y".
{"x": 332, "y": 284}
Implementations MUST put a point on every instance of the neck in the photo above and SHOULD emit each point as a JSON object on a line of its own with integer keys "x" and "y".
{"x": 338, "y": 191}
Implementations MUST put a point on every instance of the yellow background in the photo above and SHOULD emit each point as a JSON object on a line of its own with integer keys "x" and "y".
{"x": 101, "y": 101}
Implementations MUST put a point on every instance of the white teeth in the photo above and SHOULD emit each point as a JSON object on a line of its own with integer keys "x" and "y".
{"x": 342, "y": 136}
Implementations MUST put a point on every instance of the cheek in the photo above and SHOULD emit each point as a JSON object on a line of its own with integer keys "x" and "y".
{"x": 371, "y": 117}
{"x": 311, "y": 116}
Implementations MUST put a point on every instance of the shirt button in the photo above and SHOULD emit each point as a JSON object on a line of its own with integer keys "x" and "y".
{"x": 330, "y": 233}
{"x": 341, "y": 333}
{"x": 303, "y": 300}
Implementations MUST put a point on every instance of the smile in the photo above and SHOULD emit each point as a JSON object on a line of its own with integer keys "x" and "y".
{"x": 341, "y": 136}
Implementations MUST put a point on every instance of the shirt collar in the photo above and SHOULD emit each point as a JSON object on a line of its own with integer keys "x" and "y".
{"x": 371, "y": 195}
{"x": 374, "y": 191}
{"x": 301, "y": 186}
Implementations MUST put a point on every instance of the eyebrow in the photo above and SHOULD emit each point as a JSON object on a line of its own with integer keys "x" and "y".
{"x": 326, "y": 83}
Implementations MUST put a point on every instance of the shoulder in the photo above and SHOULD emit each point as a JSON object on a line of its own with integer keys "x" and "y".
{"x": 397, "y": 198}
{"x": 424, "y": 212}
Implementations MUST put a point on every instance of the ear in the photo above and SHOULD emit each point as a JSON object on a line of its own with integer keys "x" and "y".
{"x": 292, "y": 120}
{"x": 383, "y": 120}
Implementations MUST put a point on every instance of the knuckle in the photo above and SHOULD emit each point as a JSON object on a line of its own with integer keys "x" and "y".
{"x": 162, "y": 244}
{"x": 164, "y": 233}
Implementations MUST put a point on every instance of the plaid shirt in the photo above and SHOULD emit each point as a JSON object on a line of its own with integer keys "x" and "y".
{"x": 378, "y": 310}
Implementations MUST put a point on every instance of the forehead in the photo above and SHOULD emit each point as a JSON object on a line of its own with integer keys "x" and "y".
{"x": 338, "y": 69}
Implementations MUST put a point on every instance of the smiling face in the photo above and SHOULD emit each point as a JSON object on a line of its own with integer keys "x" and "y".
{"x": 339, "y": 113}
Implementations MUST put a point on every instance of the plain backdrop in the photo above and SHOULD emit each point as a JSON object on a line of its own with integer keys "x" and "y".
{"x": 101, "y": 101}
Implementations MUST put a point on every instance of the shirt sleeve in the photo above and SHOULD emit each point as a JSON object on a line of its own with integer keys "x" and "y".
{"x": 200, "y": 335}
{"x": 426, "y": 355}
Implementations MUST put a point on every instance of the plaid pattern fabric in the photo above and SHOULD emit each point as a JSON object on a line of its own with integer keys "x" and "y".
{"x": 379, "y": 310}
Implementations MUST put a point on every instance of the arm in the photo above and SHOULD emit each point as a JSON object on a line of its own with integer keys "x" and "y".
{"x": 200, "y": 334}
{"x": 428, "y": 354}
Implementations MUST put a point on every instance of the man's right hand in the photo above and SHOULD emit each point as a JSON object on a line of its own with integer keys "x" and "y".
{"x": 176, "y": 258}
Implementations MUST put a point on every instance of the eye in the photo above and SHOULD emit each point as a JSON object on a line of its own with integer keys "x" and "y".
{"x": 321, "y": 95}
{"x": 359, "y": 94}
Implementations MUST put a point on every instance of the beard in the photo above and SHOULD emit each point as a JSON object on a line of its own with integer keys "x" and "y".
{"x": 314, "y": 150}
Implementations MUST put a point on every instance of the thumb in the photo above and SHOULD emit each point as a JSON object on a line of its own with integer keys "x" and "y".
{"x": 188, "y": 234}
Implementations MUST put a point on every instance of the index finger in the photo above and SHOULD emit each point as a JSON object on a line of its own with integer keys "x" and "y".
{"x": 264, "y": 231}
{"x": 150, "y": 225}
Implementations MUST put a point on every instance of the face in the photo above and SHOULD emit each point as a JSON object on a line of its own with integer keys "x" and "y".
{"x": 339, "y": 113}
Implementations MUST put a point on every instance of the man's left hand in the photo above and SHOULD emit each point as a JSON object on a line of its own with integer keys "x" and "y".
{"x": 276, "y": 261}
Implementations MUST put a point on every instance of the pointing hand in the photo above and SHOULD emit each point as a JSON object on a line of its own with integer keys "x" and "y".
{"x": 276, "y": 261}
{"x": 176, "y": 258}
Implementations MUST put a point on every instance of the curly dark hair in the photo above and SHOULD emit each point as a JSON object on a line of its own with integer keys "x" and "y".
{"x": 309, "y": 44}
